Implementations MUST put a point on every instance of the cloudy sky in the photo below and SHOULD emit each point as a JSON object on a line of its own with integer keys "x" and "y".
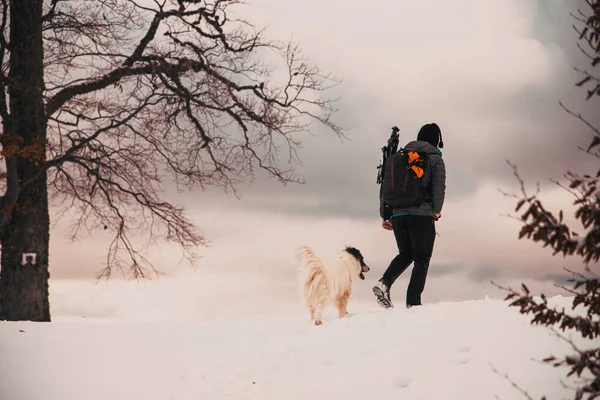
{"x": 490, "y": 73}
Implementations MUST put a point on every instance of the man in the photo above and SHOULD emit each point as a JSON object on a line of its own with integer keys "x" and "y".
{"x": 414, "y": 227}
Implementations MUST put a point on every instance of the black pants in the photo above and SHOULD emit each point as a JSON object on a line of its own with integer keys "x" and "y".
{"x": 415, "y": 236}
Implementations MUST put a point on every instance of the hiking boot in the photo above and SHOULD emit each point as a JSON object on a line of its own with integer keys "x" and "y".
{"x": 382, "y": 292}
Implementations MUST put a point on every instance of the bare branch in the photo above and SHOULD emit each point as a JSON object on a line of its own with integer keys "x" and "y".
{"x": 113, "y": 77}
{"x": 582, "y": 119}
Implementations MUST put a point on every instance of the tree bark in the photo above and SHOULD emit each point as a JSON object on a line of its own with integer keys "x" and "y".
{"x": 24, "y": 287}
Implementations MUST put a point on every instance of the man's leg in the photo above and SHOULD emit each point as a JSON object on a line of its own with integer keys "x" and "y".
{"x": 405, "y": 255}
{"x": 422, "y": 235}
{"x": 398, "y": 264}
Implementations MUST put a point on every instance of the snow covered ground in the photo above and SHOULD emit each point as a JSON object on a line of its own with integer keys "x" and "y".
{"x": 438, "y": 351}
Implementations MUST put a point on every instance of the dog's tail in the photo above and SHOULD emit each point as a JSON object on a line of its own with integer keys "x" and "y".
{"x": 315, "y": 282}
{"x": 305, "y": 254}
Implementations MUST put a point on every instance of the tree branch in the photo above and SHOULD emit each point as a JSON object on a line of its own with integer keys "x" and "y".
{"x": 60, "y": 98}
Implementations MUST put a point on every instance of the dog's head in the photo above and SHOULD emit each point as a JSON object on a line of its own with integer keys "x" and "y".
{"x": 354, "y": 252}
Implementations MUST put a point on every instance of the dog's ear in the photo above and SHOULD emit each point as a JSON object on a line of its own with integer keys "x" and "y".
{"x": 354, "y": 252}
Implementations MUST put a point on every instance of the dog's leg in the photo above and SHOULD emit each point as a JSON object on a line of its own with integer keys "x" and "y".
{"x": 318, "y": 313}
{"x": 342, "y": 304}
{"x": 312, "y": 312}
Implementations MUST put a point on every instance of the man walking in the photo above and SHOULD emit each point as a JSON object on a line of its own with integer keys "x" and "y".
{"x": 414, "y": 227}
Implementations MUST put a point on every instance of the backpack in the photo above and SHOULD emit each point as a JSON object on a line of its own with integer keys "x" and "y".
{"x": 405, "y": 179}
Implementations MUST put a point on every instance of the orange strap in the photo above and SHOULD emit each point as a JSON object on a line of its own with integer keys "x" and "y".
{"x": 413, "y": 158}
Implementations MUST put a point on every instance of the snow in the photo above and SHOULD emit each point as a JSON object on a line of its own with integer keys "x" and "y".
{"x": 437, "y": 351}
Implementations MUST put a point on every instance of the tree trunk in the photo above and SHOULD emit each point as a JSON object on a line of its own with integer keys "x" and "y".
{"x": 24, "y": 287}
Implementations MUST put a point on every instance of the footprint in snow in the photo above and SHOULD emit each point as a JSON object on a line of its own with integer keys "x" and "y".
{"x": 402, "y": 381}
{"x": 464, "y": 349}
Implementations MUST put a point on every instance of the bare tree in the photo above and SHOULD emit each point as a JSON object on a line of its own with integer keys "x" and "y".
{"x": 543, "y": 226}
{"x": 106, "y": 102}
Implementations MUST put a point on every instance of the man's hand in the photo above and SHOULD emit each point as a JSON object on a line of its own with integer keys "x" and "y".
{"x": 387, "y": 225}
{"x": 436, "y": 216}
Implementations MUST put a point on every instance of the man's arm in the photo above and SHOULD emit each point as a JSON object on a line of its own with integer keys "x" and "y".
{"x": 385, "y": 211}
{"x": 438, "y": 186}
{"x": 381, "y": 205}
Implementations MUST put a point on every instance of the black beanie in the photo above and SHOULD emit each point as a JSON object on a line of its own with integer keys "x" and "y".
{"x": 432, "y": 134}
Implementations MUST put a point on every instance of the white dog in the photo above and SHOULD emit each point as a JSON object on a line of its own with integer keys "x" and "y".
{"x": 329, "y": 281}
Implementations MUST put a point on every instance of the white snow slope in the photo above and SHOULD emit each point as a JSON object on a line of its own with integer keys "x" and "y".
{"x": 437, "y": 351}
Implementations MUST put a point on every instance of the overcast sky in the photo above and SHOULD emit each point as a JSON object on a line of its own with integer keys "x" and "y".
{"x": 490, "y": 73}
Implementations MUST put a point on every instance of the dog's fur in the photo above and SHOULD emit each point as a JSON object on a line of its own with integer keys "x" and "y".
{"x": 329, "y": 281}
